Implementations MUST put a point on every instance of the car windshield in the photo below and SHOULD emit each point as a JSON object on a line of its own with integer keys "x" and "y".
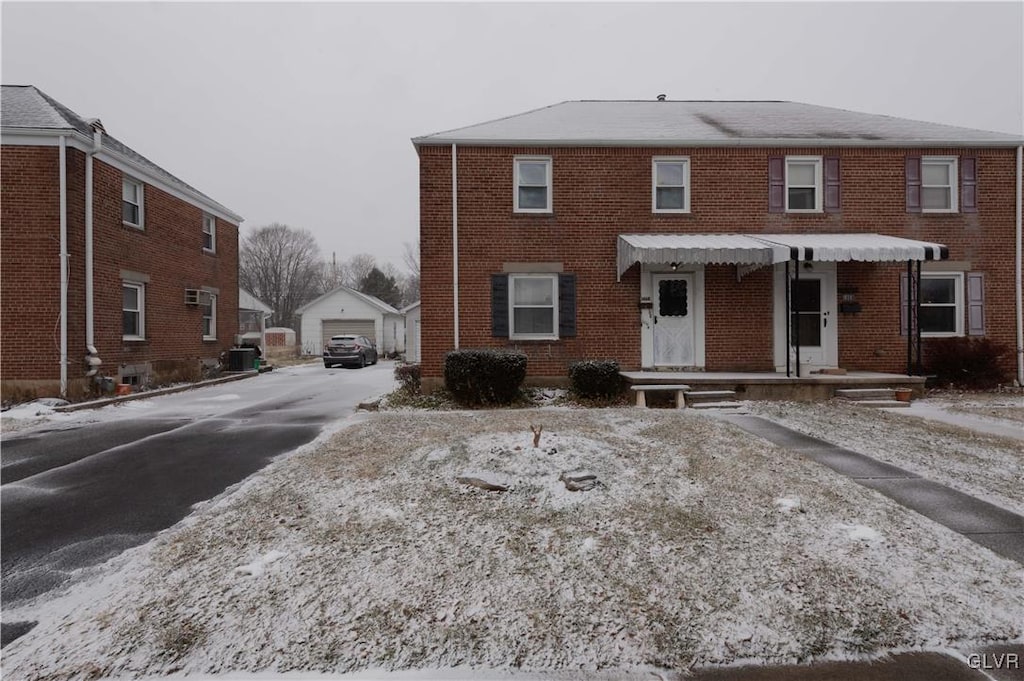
{"x": 343, "y": 340}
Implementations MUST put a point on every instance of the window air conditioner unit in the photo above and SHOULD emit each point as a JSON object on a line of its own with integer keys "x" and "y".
{"x": 192, "y": 296}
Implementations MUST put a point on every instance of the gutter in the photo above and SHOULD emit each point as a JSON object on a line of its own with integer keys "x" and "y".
{"x": 1020, "y": 298}
{"x": 63, "y": 165}
{"x": 455, "y": 244}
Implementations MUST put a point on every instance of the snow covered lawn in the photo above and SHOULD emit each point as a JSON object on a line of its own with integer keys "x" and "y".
{"x": 987, "y": 466}
{"x": 700, "y": 544}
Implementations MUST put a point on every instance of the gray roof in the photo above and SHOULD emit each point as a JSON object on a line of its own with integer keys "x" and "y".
{"x": 372, "y": 300}
{"x": 709, "y": 123}
{"x": 29, "y": 108}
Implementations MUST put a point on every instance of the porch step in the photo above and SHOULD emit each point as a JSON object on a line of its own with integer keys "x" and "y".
{"x": 712, "y": 399}
{"x": 701, "y": 395}
{"x": 716, "y": 405}
{"x": 881, "y": 404}
{"x": 858, "y": 394}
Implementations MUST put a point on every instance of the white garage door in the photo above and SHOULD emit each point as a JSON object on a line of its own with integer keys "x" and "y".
{"x": 354, "y": 327}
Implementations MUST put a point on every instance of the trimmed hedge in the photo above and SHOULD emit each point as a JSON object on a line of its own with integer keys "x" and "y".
{"x": 596, "y": 378}
{"x": 973, "y": 363}
{"x": 408, "y": 377}
{"x": 483, "y": 377}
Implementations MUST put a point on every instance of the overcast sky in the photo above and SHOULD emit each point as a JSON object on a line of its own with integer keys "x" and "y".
{"x": 303, "y": 113}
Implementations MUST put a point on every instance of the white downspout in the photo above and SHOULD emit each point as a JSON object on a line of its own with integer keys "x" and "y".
{"x": 455, "y": 243}
{"x": 1020, "y": 297}
{"x": 63, "y": 164}
{"x": 90, "y": 338}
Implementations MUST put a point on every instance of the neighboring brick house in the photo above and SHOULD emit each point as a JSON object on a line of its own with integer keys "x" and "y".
{"x": 660, "y": 234}
{"x": 151, "y": 263}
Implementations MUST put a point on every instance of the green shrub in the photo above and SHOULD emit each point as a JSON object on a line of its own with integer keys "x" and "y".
{"x": 972, "y": 363}
{"x": 595, "y": 378}
{"x": 408, "y": 377}
{"x": 482, "y": 377}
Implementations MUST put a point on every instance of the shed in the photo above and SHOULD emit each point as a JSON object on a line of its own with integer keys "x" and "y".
{"x": 347, "y": 311}
{"x": 412, "y": 332}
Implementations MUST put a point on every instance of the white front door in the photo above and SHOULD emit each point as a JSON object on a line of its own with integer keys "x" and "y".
{"x": 812, "y": 318}
{"x": 673, "y": 320}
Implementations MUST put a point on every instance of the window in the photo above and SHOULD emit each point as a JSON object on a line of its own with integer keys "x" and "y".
{"x": 533, "y": 184}
{"x": 133, "y": 311}
{"x": 938, "y": 184}
{"x": 209, "y": 307}
{"x": 670, "y": 191}
{"x": 533, "y": 306}
{"x": 803, "y": 184}
{"x": 131, "y": 203}
{"x": 209, "y": 233}
{"x": 942, "y": 300}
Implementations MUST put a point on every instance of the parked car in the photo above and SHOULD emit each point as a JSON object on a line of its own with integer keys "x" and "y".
{"x": 357, "y": 351}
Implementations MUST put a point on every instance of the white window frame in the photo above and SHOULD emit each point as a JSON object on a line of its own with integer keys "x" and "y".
{"x": 141, "y": 194}
{"x": 818, "y": 184}
{"x": 957, "y": 304}
{"x": 141, "y": 289}
{"x": 512, "y": 278}
{"x": 954, "y": 181}
{"x": 213, "y": 319}
{"x": 515, "y": 183}
{"x": 668, "y": 160}
{"x": 209, "y": 227}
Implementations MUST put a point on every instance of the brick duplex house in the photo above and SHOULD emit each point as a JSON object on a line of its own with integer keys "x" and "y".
{"x": 149, "y": 265}
{"x": 669, "y": 235}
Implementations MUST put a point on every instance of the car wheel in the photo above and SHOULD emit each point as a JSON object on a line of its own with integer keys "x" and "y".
{"x": 362, "y": 361}
{"x": 327, "y": 365}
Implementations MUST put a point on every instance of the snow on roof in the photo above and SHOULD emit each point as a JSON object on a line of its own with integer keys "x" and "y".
{"x": 372, "y": 300}
{"x": 247, "y": 301}
{"x": 726, "y": 123}
{"x": 27, "y": 108}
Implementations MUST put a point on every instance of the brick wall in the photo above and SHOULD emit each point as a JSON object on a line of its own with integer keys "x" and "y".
{"x": 599, "y": 193}
{"x": 168, "y": 250}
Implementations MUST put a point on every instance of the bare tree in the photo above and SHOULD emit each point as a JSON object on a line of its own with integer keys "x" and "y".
{"x": 410, "y": 283}
{"x": 281, "y": 266}
{"x": 355, "y": 269}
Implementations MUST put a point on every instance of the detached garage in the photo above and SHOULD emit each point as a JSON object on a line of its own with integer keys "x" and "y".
{"x": 347, "y": 311}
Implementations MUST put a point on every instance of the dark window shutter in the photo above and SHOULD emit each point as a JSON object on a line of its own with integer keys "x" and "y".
{"x": 913, "y": 184}
{"x": 832, "y": 176}
{"x": 975, "y": 303}
{"x": 969, "y": 184}
{"x": 903, "y": 304}
{"x": 566, "y": 305}
{"x": 499, "y": 305}
{"x": 776, "y": 184}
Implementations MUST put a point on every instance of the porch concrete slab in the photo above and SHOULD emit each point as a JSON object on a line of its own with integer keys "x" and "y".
{"x": 991, "y": 526}
{"x": 905, "y": 667}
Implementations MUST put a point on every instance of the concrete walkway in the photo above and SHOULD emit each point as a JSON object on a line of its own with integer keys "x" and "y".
{"x": 991, "y": 526}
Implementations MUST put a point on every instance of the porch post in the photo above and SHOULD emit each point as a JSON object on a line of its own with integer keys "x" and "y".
{"x": 787, "y": 320}
{"x": 917, "y": 316}
{"x": 796, "y": 312}
{"x": 910, "y": 312}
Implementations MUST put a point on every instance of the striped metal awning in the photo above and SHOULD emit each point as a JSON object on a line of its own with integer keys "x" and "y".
{"x": 768, "y": 249}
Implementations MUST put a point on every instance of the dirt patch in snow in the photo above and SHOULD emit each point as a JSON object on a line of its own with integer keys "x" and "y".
{"x": 701, "y": 544}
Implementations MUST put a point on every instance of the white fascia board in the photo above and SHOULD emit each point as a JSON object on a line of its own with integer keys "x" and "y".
{"x": 797, "y": 142}
{"x": 48, "y": 137}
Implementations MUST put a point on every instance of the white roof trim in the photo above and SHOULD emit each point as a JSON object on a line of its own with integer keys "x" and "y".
{"x": 815, "y": 142}
{"x": 768, "y": 249}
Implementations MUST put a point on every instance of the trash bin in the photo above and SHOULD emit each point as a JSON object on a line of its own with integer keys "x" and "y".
{"x": 241, "y": 359}
{"x": 256, "y": 364}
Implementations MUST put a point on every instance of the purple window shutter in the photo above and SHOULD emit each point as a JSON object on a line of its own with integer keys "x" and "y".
{"x": 903, "y": 304}
{"x": 969, "y": 184}
{"x": 975, "y": 303}
{"x": 832, "y": 177}
{"x": 913, "y": 184}
{"x": 776, "y": 184}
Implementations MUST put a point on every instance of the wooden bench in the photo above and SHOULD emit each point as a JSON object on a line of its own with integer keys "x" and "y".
{"x": 642, "y": 390}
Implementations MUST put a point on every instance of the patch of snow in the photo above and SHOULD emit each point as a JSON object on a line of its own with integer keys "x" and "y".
{"x": 227, "y": 397}
{"x": 787, "y": 504}
{"x": 861, "y": 533}
{"x": 259, "y": 566}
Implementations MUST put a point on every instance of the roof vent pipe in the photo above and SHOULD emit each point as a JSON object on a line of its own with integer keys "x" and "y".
{"x": 661, "y": 98}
